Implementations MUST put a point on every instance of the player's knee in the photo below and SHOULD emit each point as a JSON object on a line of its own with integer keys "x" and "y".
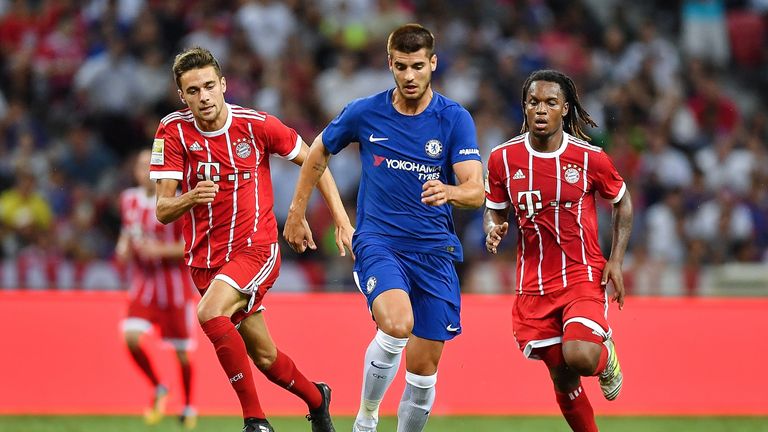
{"x": 264, "y": 360}
{"x": 132, "y": 342}
{"x": 182, "y": 356}
{"x": 206, "y": 311}
{"x": 396, "y": 327}
{"x": 132, "y": 339}
{"x": 581, "y": 357}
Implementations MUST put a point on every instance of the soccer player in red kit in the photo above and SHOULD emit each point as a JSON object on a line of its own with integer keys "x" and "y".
{"x": 161, "y": 291}
{"x": 548, "y": 176}
{"x": 220, "y": 154}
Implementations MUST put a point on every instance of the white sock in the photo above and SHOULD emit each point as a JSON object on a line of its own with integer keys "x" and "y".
{"x": 418, "y": 397}
{"x": 382, "y": 360}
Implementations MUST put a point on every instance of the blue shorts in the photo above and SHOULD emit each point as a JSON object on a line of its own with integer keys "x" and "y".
{"x": 430, "y": 281}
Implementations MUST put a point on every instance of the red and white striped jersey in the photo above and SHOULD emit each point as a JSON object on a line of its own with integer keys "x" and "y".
{"x": 236, "y": 157}
{"x": 155, "y": 282}
{"x": 553, "y": 197}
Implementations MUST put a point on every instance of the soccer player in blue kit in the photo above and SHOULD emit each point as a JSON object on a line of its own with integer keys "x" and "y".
{"x": 419, "y": 158}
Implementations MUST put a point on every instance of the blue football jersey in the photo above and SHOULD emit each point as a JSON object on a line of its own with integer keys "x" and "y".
{"x": 399, "y": 153}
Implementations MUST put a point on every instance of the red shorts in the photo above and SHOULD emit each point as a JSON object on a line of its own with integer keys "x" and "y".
{"x": 174, "y": 322}
{"x": 540, "y": 320}
{"x": 252, "y": 271}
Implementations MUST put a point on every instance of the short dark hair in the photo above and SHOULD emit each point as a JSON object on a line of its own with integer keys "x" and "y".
{"x": 410, "y": 38}
{"x": 193, "y": 58}
{"x": 577, "y": 112}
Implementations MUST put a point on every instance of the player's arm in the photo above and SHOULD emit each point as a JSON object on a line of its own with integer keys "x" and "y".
{"x": 314, "y": 172}
{"x": 171, "y": 207}
{"x": 123, "y": 247}
{"x": 622, "y": 227}
{"x": 468, "y": 193}
{"x": 157, "y": 249}
{"x": 495, "y": 226}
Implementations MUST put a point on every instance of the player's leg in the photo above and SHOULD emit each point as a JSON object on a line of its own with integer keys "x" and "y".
{"x": 218, "y": 304}
{"x": 281, "y": 370}
{"x": 379, "y": 276}
{"x": 176, "y": 325}
{"x": 188, "y": 417}
{"x": 538, "y": 329}
{"x": 134, "y": 328}
{"x": 422, "y": 358}
{"x": 392, "y": 312}
{"x": 436, "y": 302}
{"x": 137, "y": 351}
{"x": 571, "y": 398}
{"x": 588, "y": 348}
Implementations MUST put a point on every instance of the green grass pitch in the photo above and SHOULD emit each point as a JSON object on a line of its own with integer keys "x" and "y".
{"x": 387, "y": 424}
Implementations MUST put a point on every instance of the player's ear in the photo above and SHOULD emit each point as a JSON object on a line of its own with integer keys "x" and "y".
{"x": 223, "y": 85}
{"x": 433, "y": 62}
{"x": 566, "y": 108}
{"x": 181, "y": 97}
{"x": 389, "y": 61}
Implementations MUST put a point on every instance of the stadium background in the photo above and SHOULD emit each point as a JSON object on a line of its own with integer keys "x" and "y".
{"x": 678, "y": 88}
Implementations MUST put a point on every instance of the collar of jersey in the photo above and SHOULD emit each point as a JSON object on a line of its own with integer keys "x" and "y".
{"x": 553, "y": 154}
{"x": 223, "y": 128}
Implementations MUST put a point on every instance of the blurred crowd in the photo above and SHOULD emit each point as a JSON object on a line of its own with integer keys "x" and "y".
{"x": 678, "y": 89}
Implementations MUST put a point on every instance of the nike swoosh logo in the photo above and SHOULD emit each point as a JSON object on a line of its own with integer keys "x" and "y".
{"x": 373, "y": 363}
{"x": 451, "y": 328}
{"x": 375, "y": 139}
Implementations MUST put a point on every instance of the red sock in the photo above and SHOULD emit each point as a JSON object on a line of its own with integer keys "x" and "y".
{"x": 577, "y": 410}
{"x": 186, "y": 380}
{"x": 284, "y": 373}
{"x": 142, "y": 361}
{"x": 233, "y": 357}
{"x": 602, "y": 362}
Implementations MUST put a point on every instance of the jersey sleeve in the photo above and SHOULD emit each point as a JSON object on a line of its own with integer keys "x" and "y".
{"x": 463, "y": 138}
{"x": 281, "y": 139}
{"x": 167, "y": 161}
{"x": 496, "y": 196}
{"x": 342, "y": 130}
{"x": 607, "y": 180}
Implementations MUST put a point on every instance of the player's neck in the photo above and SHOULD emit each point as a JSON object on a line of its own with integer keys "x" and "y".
{"x": 411, "y": 106}
{"x": 547, "y": 144}
{"x": 215, "y": 124}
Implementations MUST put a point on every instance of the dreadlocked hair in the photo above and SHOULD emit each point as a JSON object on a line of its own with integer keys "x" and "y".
{"x": 577, "y": 112}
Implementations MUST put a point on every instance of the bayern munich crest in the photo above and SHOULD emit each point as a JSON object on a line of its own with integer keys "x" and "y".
{"x": 242, "y": 148}
{"x": 434, "y": 148}
{"x": 572, "y": 173}
{"x": 371, "y": 284}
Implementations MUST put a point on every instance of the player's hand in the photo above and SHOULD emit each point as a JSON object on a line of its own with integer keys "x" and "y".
{"x": 344, "y": 239}
{"x": 148, "y": 249}
{"x": 123, "y": 250}
{"x": 204, "y": 192}
{"x": 612, "y": 272}
{"x": 435, "y": 193}
{"x": 494, "y": 237}
{"x": 297, "y": 233}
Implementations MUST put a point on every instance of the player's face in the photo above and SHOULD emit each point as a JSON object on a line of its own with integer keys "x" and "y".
{"x": 203, "y": 91}
{"x": 412, "y": 72}
{"x": 545, "y": 107}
